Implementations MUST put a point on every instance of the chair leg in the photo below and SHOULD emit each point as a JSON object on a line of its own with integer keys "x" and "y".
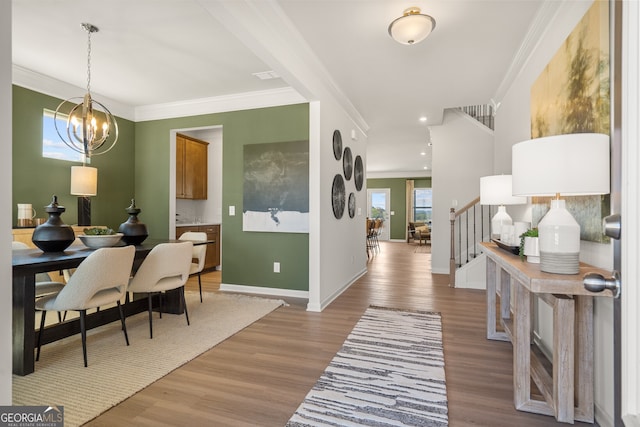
{"x": 149, "y": 295}
{"x": 200, "y": 286}
{"x": 83, "y": 333}
{"x": 161, "y": 303}
{"x": 124, "y": 325}
{"x": 42, "y": 317}
{"x": 184, "y": 302}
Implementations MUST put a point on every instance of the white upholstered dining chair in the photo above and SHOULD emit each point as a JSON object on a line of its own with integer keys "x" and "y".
{"x": 165, "y": 268}
{"x": 99, "y": 280}
{"x": 199, "y": 253}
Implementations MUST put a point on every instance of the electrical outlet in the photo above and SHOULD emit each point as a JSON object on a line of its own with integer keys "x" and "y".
{"x": 276, "y": 267}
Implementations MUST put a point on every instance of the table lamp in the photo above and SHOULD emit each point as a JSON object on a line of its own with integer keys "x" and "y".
{"x": 569, "y": 165}
{"x": 84, "y": 183}
{"x": 496, "y": 190}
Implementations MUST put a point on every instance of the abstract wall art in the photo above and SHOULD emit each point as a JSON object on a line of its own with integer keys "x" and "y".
{"x": 276, "y": 187}
{"x": 572, "y": 95}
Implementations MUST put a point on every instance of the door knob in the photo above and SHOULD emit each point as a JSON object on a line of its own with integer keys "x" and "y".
{"x": 612, "y": 226}
{"x": 595, "y": 282}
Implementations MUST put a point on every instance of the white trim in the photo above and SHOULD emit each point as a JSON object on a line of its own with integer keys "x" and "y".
{"x": 6, "y": 287}
{"x": 244, "y": 289}
{"x": 265, "y": 29}
{"x": 219, "y": 104}
{"x": 630, "y": 400}
{"x": 325, "y": 303}
{"x": 408, "y": 174}
{"x": 535, "y": 34}
{"x": 315, "y": 251}
{"x": 41, "y": 83}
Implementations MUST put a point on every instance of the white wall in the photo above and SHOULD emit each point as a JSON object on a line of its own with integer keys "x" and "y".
{"x": 6, "y": 360}
{"x": 340, "y": 242}
{"x": 463, "y": 151}
{"x": 512, "y": 125}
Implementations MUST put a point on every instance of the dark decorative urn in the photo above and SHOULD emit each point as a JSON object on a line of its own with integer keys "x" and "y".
{"x": 134, "y": 231}
{"x": 54, "y": 235}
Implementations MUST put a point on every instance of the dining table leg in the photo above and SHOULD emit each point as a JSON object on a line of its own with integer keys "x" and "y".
{"x": 24, "y": 307}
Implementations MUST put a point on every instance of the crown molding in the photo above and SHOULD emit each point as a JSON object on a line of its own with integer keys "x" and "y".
{"x": 269, "y": 33}
{"x": 47, "y": 85}
{"x": 545, "y": 16}
{"x": 219, "y": 104}
{"x": 400, "y": 174}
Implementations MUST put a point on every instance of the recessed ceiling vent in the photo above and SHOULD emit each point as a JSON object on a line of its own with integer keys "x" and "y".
{"x": 267, "y": 75}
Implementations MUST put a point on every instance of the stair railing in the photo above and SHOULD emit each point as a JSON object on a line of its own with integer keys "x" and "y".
{"x": 483, "y": 113}
{"x": 470, "y": 225}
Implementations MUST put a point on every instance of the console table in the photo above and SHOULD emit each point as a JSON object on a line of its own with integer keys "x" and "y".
{"x": 568, "y": 389}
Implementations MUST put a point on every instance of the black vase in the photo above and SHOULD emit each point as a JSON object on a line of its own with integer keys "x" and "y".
{"x": 54, "y": 235}
{"x": 134, "y": 232}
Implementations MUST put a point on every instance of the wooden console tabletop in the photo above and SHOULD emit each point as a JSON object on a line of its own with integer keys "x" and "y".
{"x": 568, "y": 391}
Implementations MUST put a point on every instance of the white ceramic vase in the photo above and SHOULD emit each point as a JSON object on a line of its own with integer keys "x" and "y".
{"x": 532, "y": 249}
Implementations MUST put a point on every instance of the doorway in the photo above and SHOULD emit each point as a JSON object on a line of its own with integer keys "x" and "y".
{"x": 378, "y": 206}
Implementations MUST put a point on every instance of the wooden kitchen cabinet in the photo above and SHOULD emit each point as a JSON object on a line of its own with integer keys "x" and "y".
{"x": 212, "y": 257}
{"x": 191, "y": 168}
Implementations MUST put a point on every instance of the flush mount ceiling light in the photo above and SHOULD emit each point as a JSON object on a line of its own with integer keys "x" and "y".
{"x": 412, "y": 27}
{"x": 83, "y": 119}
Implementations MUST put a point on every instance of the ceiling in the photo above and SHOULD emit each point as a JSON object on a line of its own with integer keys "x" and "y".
{"x": 151, "y": 52}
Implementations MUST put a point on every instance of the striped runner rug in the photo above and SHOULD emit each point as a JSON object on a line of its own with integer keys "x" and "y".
{"x": 389, "y": 372}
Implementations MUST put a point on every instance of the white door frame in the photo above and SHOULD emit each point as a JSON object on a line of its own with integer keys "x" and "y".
{"x": 385, "y": 235}
{"x": 630, "y": 212}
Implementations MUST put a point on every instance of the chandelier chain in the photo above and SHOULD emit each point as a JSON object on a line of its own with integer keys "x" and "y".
{"x": 89, "y": 61}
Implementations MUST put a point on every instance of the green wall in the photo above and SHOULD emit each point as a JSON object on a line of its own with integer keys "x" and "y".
{"x": 36, "y": 179}
{"x": 138, "y": 167}
{"x": 398, "y": 189}
{"x": 247, "y": 257}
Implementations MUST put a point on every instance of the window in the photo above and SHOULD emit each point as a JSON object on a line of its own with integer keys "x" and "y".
{"x": 52, "y": 145}
{"x": 422, "y": 204}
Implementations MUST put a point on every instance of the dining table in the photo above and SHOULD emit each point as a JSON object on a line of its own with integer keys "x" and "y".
{"x": 26, "y": 263}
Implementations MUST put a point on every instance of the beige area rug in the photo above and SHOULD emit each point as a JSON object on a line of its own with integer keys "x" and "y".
{"x": 422, "y": 249}
{"x": 116, "y": 371}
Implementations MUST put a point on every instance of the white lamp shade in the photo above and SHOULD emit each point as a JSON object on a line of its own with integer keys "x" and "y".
{"x": 84, "y": 181}
{"x": 571, "y": 165}
{"x": 496, "y": 190}
{"x": 411, "y": 28}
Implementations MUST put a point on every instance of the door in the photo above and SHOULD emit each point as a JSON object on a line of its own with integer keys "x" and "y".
{"x": 378, "y": 206}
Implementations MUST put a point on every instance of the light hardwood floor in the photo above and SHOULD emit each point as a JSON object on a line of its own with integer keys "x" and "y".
{"x": 259, "y": 376}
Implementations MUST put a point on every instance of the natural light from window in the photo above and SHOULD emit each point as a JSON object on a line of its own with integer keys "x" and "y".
{"x": 52, "y": 145}
{"x": 422, "y": 204}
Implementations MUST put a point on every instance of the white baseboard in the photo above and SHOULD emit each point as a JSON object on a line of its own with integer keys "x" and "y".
{"x": 291, "y": 293}
{"x": 325, "y": 303}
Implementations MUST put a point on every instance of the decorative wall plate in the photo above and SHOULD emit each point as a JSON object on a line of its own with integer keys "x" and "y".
{"x": 358, "y": 173}
{"x": 338, "y": 196}
{"x": 347, "y": 163}
{"x": 337, "y": 144}
{"x": 352, "y": 205}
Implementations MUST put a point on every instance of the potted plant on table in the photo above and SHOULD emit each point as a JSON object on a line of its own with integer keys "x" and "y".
{"x": 529, "y": 246}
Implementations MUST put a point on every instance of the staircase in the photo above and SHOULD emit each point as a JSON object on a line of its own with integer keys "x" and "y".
{"x": 482, "y": 113}
{"x": 470, "y": 225}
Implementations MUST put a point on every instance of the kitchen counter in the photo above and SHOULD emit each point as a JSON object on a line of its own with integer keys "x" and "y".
{"x": 195, "y": 224}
